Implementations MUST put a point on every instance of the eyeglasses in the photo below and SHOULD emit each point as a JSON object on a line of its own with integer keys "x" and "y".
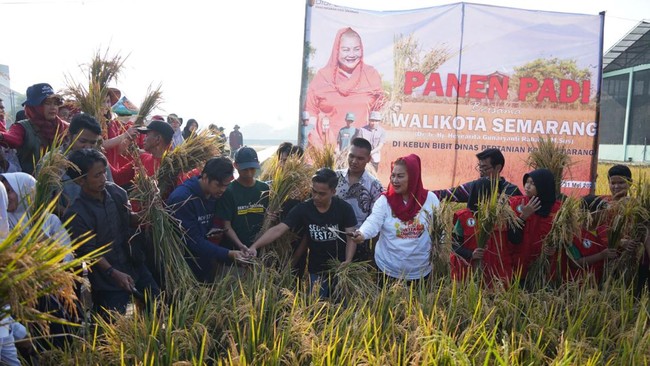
{"x": 483, "y": 168}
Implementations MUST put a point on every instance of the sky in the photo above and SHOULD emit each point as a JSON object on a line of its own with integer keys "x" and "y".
{"x": 226, "y": 62}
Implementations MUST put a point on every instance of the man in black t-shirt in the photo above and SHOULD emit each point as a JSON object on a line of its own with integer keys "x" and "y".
{"x": 325, "y": 219}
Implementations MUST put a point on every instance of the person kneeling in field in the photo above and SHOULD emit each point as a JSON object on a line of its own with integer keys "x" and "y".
{"x": 103, "y": 209}
{"x": 326, "y": 219}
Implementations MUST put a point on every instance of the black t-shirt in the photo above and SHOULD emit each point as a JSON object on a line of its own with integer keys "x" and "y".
{"x": 323, "y": 243}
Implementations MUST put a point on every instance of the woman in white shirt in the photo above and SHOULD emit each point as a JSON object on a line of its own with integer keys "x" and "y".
{"x": 402, "y": 216}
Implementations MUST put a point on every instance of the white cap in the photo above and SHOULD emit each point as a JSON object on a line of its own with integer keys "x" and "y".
{"x": 305, "y": 115}
{"x": 375, "y": 116}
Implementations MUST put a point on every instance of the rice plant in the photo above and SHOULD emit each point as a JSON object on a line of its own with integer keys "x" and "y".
{"x": 440, "y": 223}
{"x": 151, "y": 101}
{"x": 191, "y": 154}
{"x": 567, "y": 223}
{"x": 549, "y": 155}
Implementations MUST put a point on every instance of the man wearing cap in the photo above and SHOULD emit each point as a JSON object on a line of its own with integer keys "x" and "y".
{"x": 305, "y": 129}
{"x": 236, "y": 139}
{"x": 374, "y": 133}
{"x": 40, "y": 128}
{"x": 346, "y": 133}
{"x": 158, "y": 137}
{"x": 244, "y": 203}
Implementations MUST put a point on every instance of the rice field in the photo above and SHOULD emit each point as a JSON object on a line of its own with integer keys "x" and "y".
{"x": 268, "y": 317}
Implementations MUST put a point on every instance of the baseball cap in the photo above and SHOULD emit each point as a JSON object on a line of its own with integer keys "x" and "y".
{"x": 246, "y": 158}
{"x": 305, "y": 115}
{"x": 349, "y": 116}
{"x": 163, "y": 128}
{"x": 375, "y": 116}
{"x": 37, "y": 93}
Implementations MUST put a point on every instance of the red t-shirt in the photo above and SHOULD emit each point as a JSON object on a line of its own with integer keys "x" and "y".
{"x": 535, "y": 230}
{"x": 460, "y": 266}
{"x": 586, "y": 244}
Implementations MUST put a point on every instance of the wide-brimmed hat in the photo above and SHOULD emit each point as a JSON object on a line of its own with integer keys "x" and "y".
{"x": 114, "y": 94}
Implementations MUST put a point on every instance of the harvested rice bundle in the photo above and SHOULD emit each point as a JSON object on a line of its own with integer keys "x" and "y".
{"x": 549, "y": 155}
{"x": 291, "y": 181}
{"x": 353, "y": 280}
{"x": 32, "y": 266}
{"x": 441, "y": 223}
{"x": 190, "y": 155}
{"x": 568, "y": 221}
{"x": 151, "y": 101}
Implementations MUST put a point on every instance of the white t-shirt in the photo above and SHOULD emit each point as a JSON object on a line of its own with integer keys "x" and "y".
{"x": 404, "y": 248}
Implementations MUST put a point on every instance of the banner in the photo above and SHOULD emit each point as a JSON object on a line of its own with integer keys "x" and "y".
{"x": 450, "y": 81}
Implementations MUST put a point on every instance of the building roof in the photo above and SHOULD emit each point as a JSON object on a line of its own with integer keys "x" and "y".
{"x": 631, "y": 50}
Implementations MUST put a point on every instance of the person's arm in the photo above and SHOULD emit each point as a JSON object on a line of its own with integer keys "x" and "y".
{"x": 194, "y": 236}
{"x": 232, "y": 235}
{"x": 371, "y": 227}
{"x": 268, "y": 237}
{"x": 123, "y": 175}
{"x": 14, "y": 137}
{"x": 516, "y": 234}
{"x": 300, "y": 250}
{"x": 78, "y": 229}
{"x": 457, "y": 194}
{"x": 350, "y": 247}
{"x": 116, "y": 141}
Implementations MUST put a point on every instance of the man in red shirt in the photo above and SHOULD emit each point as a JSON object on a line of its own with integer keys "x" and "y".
{"x": 158, "y": 137}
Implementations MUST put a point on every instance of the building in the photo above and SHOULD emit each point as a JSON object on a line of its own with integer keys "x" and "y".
{"x": 624, "y": 130}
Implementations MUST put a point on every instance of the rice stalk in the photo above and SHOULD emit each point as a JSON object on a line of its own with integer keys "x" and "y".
{"x": 493, "y": 212}
{"x": 151, "y": 101}
{"x": 32, "y": 266}
{"x": 166, "y": 230}
{"x": 546, "y": 154}
{"x": 567, "y": 223}
{"x": 441, "y": 225}
{"x": 353, "y": 280}
{"x": 190, "y": 155}
{"x": 102, "y": 70}
{"x": 49, "y": 170}
{"x": 324, "y": 157}
{"x": 291, "y": 181}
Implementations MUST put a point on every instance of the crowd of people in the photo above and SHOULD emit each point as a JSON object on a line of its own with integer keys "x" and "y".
{"x": 222, "y": 213}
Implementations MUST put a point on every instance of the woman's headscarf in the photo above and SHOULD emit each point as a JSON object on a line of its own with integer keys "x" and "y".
{"x": 417, "y": 193}
{"x": 545, "y": 186}
{"x": 344, "y": 87}
{"x": 44, "y": 128}
{"x": 4, "y": 219}
{"x": 24, "y": 185}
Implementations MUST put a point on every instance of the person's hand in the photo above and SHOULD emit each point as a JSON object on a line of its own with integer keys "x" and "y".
{"x": 250, "y": 252}
{"x": 345, "y": 263}
{"x": 357, "y": 237}
{"x": 608, "y": 254}
{"x": 549, "y": 250}
{"x": 274, "y": 216}
{"x": 629, "y": 245}
{"x": 478, "y": 253}
{"x": 131, "y": 133}
{"x": 123, "y": 280}
{"x": 237, "y": 255}
{"x": 533, "y": 205}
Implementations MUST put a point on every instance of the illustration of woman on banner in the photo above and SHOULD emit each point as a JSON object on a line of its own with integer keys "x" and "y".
{"x": 345, "y": 85}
